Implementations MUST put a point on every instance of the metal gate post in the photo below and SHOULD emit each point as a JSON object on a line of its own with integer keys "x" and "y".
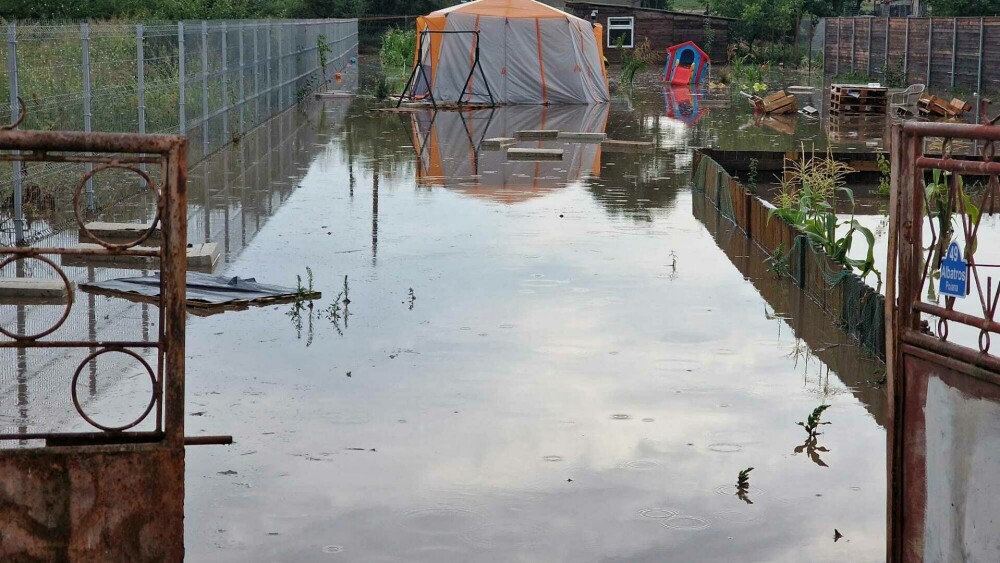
{"x": 15, "y": 114}
{"x": 85, "y": 46}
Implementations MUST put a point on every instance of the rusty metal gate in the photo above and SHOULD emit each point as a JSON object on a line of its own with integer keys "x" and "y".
{"x": 158, "y": 163}
{"x": 944, "y": 376}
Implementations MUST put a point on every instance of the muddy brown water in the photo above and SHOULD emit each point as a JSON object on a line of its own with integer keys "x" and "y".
{"x": 588, "y": 358}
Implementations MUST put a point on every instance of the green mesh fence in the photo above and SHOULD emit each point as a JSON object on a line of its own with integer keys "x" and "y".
{"x": 857, "y": 308}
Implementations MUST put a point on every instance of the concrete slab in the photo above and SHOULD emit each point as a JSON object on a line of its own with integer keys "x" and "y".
{"x": 200, "y": 257}
{"x": 611, "y": 146}
{"x": 537, "y": 134}
{"x": 335, "y": 94}
{"x": 534, "y": 154}
{"x": 32, "y": 288}
{"x": 498, "y": 143}
{"x": 582, "y": 136}
{"x": 120, "y": 232}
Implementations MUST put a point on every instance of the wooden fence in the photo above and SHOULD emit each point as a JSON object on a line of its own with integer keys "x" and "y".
{"x": 938, "y": 52}
{"x": 856, "y": 307}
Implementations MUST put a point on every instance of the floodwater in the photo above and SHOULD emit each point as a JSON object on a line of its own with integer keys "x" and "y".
{"x": 555, "y": 361}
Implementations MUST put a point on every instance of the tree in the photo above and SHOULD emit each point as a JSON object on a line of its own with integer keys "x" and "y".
{"x": 964, "y": 7}
{"x": 759, "y": 19}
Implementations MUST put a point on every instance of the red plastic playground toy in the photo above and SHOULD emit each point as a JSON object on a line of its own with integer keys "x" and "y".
{"x": 686, "y": 64}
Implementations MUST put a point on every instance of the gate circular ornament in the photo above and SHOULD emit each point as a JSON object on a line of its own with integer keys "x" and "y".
{"x": 152, "y": 399}
{"x": 69, "y": 298}
{"x": 79, "y": 216}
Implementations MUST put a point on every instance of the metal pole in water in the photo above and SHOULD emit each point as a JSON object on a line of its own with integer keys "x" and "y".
{"x": 15, "y": 114}
{"x": 85, "y": 46}
{"x": 140, "y": 72}
{"x": 181, "y": 79}
{"x": 225, "y": 85}
{"x": 243, "y": 97}
{"x": 204, "y": 88}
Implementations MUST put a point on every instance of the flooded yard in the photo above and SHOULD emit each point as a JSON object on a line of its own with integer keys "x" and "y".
{"x": 575, "y": 360}
{"x": 558, "y": 366}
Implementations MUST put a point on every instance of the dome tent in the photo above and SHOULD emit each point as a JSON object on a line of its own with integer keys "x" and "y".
{"x": 529, "y": 53}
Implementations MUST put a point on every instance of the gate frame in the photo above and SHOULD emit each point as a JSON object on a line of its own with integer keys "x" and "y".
{"x": 906, "y": 274}
{"x": 128, "y": 151}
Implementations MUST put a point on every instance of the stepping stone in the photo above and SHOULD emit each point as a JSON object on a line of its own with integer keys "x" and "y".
{"x": 32, "y": 288}
{"x": 119, "y": 233}
{"x": 537, "y": 134}
{"x": 626, "y": 146}
{"x": 498, "y": 143}
{"x": 202, "y": 257}
{"x": 534, "y": 154}
{"x": 582, "y": 136}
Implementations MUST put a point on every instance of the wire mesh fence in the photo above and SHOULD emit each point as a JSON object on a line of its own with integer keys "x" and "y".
{"x": 213, "y": 81}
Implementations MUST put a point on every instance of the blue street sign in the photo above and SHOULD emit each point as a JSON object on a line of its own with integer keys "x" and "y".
{"x": 954, "y": 273}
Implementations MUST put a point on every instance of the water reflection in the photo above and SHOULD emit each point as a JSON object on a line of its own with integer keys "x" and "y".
{"x": 451, "y": 152}
{"x": 683, "y": 103}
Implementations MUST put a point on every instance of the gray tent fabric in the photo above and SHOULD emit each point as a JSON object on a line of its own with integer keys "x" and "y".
{"x": 200, "y": 288}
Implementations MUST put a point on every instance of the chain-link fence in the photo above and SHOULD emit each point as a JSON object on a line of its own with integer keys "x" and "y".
{"x": 213, "y": 81}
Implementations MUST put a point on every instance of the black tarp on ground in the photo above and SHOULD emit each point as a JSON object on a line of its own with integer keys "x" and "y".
{"x": 201, "y": 289}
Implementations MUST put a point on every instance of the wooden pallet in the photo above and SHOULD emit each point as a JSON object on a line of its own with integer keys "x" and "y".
{"x": 933, "y": 106}
{"x": 777, "y": 103}
{"x": 846, "y": 99}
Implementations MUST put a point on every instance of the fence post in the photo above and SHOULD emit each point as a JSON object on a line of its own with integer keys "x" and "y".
{"x": 85, "y": 48}
{"x": 204, "y": 88}
{"x": 270, "y": 83}
{"x": 888, "y": 26}
{"x": 15, "y": 113}
{"x": 140, "y": 72}
{"x": 979, "y": 72}
{"x": 256, "y": 73}
{"x": 906, "y": 51}
{"x": 840, "y": 21}
{"x": 870, "y": 46}
{"x": 930, "y": 48}
{"x": 954, "y": 48}
{"x": 854, "y": 47}
{"x": 243, "y": 97}
{"x": 225, "y": 83}
{"x": 181, "y": 80}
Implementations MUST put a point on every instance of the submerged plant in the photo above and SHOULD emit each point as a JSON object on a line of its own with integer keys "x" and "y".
{"x": 412, "y": 298}
{"x": 807, "y": 201}
{"x": 303, "y": 301}
{"x": 743, "y": 485}
{"x": 812, "y": 422}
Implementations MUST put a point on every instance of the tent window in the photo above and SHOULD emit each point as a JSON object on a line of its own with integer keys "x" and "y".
{"x": 623, "y": 28}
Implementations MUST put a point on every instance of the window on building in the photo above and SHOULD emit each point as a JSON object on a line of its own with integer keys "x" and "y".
{"x": 623, "y": 28}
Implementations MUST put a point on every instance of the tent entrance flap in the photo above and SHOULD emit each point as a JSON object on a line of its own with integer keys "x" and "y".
{"x": 426, "y": 76}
